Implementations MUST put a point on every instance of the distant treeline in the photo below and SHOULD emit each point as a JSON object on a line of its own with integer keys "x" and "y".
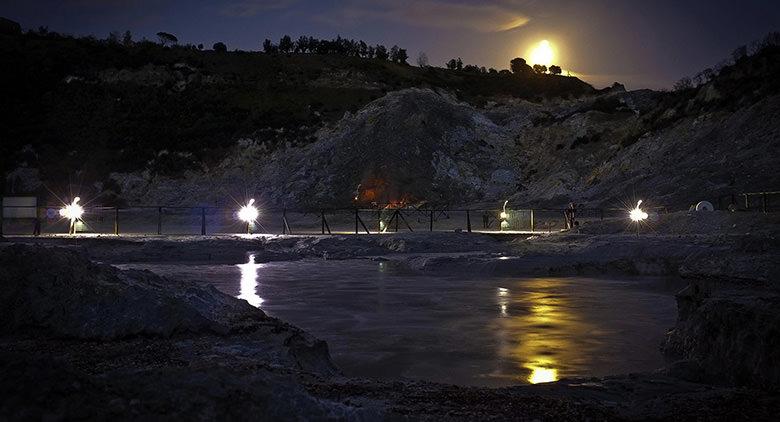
{"x": 312, "y": 45}
{"x": 338, "y": 45}
{"x": 740, "y": 53}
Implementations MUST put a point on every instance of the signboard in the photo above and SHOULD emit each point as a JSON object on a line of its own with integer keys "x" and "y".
{"x": 20, "y": 207}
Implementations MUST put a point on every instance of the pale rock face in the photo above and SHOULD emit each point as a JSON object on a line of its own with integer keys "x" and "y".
{"x": 427, "y": 146}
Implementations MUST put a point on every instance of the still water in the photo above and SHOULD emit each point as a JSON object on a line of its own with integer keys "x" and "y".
{"x": 383, "y": 320}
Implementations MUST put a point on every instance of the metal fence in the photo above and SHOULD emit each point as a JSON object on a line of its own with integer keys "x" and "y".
{"x": 151, "y": 220}
{"x": 750, "y": 201}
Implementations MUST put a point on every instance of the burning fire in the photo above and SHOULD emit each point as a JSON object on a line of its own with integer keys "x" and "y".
{"x": 376, "y": 191}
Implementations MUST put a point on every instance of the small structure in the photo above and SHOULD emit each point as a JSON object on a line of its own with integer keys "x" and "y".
{"x": 20, "y": 208}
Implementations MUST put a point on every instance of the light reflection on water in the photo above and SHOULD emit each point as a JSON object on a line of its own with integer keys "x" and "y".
{"x": 541, "y": 336}
{"x": 248, "y": 282}
{"x": 382, "y": 320}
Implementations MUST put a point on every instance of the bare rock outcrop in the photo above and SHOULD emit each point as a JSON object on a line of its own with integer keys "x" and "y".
{"x": 57, "y": 293}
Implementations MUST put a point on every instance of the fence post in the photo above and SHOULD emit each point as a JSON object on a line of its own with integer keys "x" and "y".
{"x": 322, "y": 222}
{"x": 379, "y": 220}
{"x": 532, "y": 220}
{"x": 747, "y": 201}
{"x": 203, "y": 221}
{"x": 159, "y": 220}
{"x": 468, "y": 221}
{"x": 356, "y": 220}
{"x": 284, "y": 220}
{"x": 116, "y": 221}
{"x": 37, "y": 227}
{"x": 431, "y": 225}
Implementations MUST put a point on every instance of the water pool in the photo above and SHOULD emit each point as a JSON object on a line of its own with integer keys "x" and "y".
{"x": 383, "y": 320}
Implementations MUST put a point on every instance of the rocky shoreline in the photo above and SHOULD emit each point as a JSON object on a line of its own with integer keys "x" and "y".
{"x": 82, "y": 339}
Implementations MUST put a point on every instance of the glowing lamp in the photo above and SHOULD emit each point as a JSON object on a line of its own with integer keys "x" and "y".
{"x": 504, "y": 217}
{"x": 637, "y": 214}
{"x": 72, "y": 211}
{"x": 248, "y": 214}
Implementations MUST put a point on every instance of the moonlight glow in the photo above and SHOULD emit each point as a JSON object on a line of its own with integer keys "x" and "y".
{"x": 541, "y": 53}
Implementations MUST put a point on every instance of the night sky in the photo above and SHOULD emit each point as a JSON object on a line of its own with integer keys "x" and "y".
{"x": 644, "y": 44}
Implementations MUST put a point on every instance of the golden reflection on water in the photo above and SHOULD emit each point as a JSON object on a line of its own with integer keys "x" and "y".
{"x": 539, "y": 332}
{"x": 248, "y": 285}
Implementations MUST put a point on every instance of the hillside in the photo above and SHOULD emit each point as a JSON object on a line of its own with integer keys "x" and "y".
{"x": 81, "y": 101}
{"x": 154, "y": 125}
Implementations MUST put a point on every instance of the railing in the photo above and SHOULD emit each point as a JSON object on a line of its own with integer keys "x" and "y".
{"x": 165, "y": 220}
{"x": 768, "y": 201}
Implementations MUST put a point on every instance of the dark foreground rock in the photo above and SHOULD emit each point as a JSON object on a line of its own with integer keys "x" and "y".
{"x": 727, "y": 336}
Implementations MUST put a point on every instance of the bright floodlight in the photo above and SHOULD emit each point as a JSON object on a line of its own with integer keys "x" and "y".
{"x": 248, "y": 213}
{"x": 72, "y": 211}
{"x": 637, "y": 214}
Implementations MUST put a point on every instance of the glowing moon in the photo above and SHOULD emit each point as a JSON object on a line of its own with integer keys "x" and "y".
{"x": 542, "y": 53}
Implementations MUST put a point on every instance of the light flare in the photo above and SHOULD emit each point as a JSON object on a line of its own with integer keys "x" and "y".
{"x": 637, "y": 214}
{"x": 72, "y": 211}
{"x": 248, "y": 213}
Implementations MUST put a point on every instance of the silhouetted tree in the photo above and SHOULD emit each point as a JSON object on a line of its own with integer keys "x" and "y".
{"x": 301, "y": 45}
{"x": 381, "y": 52}
{"x": 555, "y": 69}
{"x": 285, "y": 44}
{"x": 422, "y": 59}
{"x": 166, "y": 38}
{"x": 519, "y": 66}
{"x": 398, "y": 55}
{"x": 127, "y": 39}
{"x": 268, "y": 47}
{"x": 200, "y": 46}
{"x": 540, "y": 68}
{"x": 219, "y": 47}
{"x": 393, "y": 53}
{"x": 492, "y": 71}
{"x": 452, "y": 64}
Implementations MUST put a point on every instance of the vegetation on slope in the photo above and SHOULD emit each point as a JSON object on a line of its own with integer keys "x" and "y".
{"x": 116, "y": 105}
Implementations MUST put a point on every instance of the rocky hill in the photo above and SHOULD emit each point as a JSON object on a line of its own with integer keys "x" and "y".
{"x": 92, "y": 106}
{"x": 154, "y": 125}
